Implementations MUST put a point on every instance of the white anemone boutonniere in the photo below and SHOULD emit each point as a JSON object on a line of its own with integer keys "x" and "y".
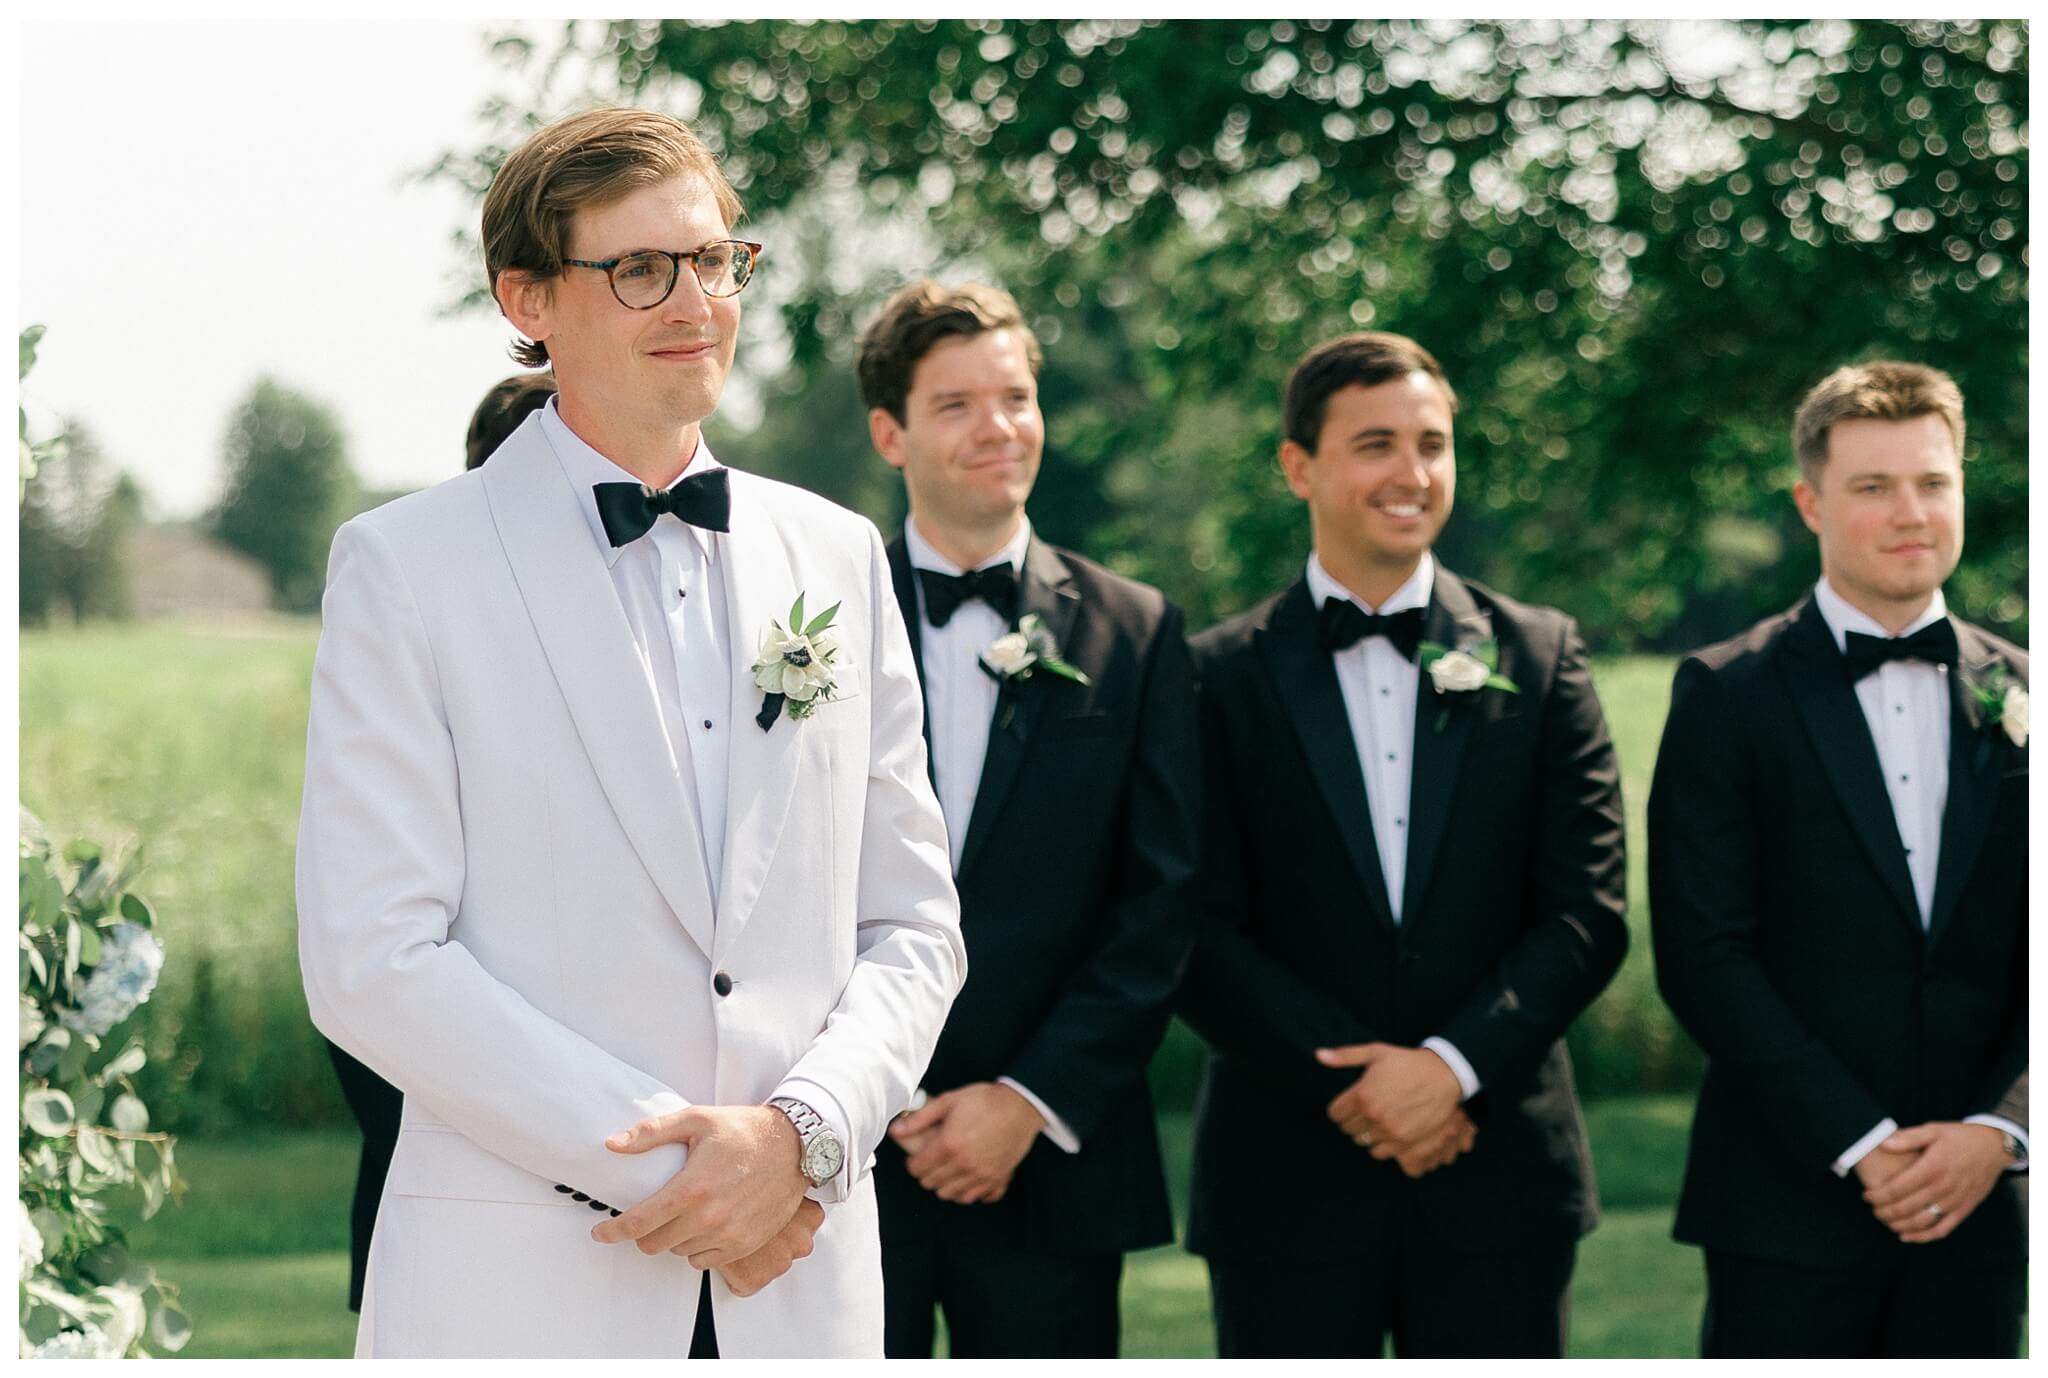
{"x": 796, "y": 665}
{"x": 1458, "y": 673}
{"x": 2003, "y": 702}
{"x": 1015, "y": 656}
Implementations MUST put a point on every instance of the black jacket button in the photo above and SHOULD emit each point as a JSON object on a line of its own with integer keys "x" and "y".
{"x": 722, "y": 983}
{"x": 562, "y": 1189}
{"x": 578, "y": 1196}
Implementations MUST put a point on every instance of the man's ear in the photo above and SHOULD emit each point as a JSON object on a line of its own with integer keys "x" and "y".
{"x": 887, "y": 433}
{"x": 1806, "y": 498}
{"x": 1294, "y": 462}
{"x": 527, "y": 300}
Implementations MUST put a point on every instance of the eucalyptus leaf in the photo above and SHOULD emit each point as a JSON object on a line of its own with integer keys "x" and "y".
{"x": 49, "y": 1049}
{"x": 40, "y": 1322}
{"x": 136, "y": 910}
{"x": 130, "y": 1115}
{"x": 86, "y": 1101}
{"x": 125, "y": 1063}
{"x": 79, "y": 851}
{"x": 88, "y": 945}
{"x": 50, "y": 1225}
{"x": 93, "y": 1147}
{"x": 30, "y": 337}
{"x": 171, "y": 1328}
{"x": 48, "y": 1111}
{"x": 36, "y": 964}
{"x": 106, "y": 1264}
{"x": 71, "y": 1064}
{"x": 152, "y": 1195}
{"x": 74, "y": 942}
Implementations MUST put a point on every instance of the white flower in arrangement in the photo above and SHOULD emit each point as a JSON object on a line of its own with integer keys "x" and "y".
{"x": 1455, "y": 672}
{"x": 27, "y": 1239}
{"x": 797, "y": 665}
{"x": 2014, "y": 718}
{"x": 32, "y": 1021}
{"x": 89, "y": 1343}
{"x": 1009, "y": 654}
{"x": 130, "y": 958}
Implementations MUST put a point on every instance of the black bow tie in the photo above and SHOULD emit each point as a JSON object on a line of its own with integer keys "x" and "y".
{"x": 629, "y": 509}
{"x": 1344, "y": 623}
{"x": 944, "y": 593}
{"x": 1934, "y": 643}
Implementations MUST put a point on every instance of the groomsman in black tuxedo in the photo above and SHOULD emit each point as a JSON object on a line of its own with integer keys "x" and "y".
{"x": 1060, "y": 714}
{"x": 1838, "y": 880}
{"x": 1412, "y": 883}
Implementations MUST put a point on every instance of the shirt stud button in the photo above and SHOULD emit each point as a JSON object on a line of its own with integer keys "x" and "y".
{"x": 707, "y": 724}
{"x": 722, "y": 983}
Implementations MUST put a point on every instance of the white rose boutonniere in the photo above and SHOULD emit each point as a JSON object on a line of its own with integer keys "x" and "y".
{"x": 2003, "y": 701}
{"x": 1459, "y": 673}
{"x": 796, "y": 665}
{"x": 1015, "y": 656}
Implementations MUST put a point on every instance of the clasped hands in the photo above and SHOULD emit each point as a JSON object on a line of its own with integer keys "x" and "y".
{"x": 964, "y": 1144}
{"x": 1945, "y": 1165}
{"x": 738, "y": 1206}
{"x": 1404, "y": 1105}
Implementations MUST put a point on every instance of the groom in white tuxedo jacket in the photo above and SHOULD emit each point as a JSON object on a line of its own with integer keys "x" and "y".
{"x": 566, "y": 870}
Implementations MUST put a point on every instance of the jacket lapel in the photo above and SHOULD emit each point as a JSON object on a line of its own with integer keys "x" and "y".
{"x": 1826, "y": 700}
{"x": 569, "y": 595}
{"x": 760, "y": 584}
{"x": 904, "y": 580}
{"x": 1046, "y": 588}
{"x": 1453, "y": 619}
{"x": 1972, "y": 777}
{"x": 1306, "y": 681}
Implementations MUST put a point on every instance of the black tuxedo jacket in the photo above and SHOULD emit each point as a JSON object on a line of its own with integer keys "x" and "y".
{"x": 1789, "y": 942}
{"x": 1513, "y": 921}
{"x": 1072, "y": 893}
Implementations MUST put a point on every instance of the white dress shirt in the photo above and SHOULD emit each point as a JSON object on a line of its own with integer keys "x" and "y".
{"x": 1380, "y": 687}
{"x": 1906, "y": 707}
{"x": 961, "y": 698}
{"x": 673, "y": 594}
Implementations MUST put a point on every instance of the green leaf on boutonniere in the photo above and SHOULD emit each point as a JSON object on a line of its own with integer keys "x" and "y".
{"x": 1457, "y": 672}
{"x": 816, "y": 624}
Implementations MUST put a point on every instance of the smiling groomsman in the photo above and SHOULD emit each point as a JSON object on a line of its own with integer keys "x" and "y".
{"x": 1412, "y": 883}
{"x": 1061, "y": 722}
{"x": 1838, "y": 878}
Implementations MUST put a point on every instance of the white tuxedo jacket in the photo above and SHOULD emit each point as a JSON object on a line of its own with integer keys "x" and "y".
{"x": 503, "y": 910}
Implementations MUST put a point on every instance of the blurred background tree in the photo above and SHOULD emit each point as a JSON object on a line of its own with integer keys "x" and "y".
{"x": 288, "y": 486}
{"x": 1633, "y": 245}
{"x": 75, "y": 517}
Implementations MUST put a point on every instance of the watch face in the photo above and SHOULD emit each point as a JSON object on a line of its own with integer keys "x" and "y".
{"x": 822, "y": 1159}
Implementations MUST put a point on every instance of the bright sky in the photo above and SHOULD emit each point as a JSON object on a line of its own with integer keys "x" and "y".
{"x": 207, "y": 201}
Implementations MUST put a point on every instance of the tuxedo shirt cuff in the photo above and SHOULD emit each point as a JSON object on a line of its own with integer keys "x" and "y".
{"x": 856, "y": 1155}
{"x": 2008, "y": 1127}
{"x": 1055, "y": 1127}
{"x": 1858, "y": 1151}
{"x": 1468, "y": 1080}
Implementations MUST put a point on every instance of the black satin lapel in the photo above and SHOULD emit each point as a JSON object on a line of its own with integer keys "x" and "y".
{"x": 1820, "y": 687}
{"x": 1453, "y": 619}
{"x": 1974, "y": 754}
{"x": 904, "y": 579}
{"x": 1045, "y": 588}
{"x": 1306, "y": 681}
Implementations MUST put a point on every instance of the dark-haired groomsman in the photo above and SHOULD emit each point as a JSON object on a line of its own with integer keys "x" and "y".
{"x": 1838, "y": 877}
{"x": 1412, "y": 883}
{"x": 1060, "y": 712}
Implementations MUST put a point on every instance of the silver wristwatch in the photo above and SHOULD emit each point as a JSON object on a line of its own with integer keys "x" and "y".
{"x": 823, "y": 1154}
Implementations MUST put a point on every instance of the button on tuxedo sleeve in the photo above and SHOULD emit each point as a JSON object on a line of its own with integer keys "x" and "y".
{"x": 379, "y": 878}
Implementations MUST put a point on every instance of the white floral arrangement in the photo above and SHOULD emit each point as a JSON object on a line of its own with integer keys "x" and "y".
{"x": 796, "y": 665}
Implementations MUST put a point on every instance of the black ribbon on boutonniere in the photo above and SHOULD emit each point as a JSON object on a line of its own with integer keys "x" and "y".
{"x": 771, "y": 709}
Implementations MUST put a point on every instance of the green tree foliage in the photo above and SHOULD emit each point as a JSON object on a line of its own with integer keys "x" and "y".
{"x": 1633, "y": 245}
{"x": 289, "y": 485}
{"x": 75, "y": 518}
